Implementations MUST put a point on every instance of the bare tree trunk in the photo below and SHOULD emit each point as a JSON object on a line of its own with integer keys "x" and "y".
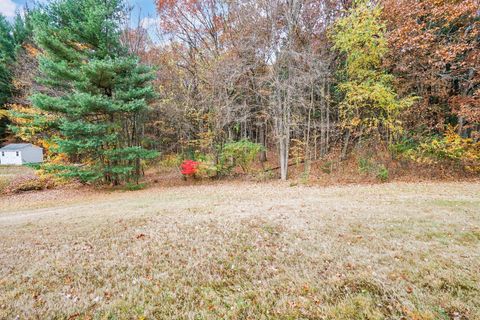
{"x": 323, "y": 135}
{"x": 345, "y": 145}
{"x": 283, "y": 159}
{"x": 460, "y": 126}
{"x": 327, "y": 129}
{"x": 282, "y": 125}
{"x": 307, "y": 138}
{"x": 263, "y": 153}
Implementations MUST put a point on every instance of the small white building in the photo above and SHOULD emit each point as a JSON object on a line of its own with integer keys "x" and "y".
{"x": 20, "y": 153}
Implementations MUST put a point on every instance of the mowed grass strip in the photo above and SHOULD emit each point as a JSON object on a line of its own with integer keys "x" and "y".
{"x": 246, "y": 251}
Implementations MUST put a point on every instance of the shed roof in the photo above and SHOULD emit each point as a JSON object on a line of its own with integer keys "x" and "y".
{"x": 17, "y": 146}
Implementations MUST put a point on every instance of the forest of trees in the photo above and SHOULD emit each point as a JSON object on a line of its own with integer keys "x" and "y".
{"x": 296, "y": 80}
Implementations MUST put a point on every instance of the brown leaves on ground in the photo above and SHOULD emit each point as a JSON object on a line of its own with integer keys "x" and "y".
{"x": 244, "y": 251}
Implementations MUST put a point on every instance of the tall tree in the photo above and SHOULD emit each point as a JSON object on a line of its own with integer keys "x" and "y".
{"x": 97, "y": 91}
{"x": 370, "y": 106}
{"x": 300, "y": 78}
{"x": 250, "y": 70}
{"x": 25, "y": 122}
{"x": 435, "y": 54}
{"x": 7, "y": 56}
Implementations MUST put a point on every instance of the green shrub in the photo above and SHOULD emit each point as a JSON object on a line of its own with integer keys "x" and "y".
{"x": 450, "y": 149}
{"x": 134, "y": 186}
{"x": 205, "y": 166}
{"x": 370, "y": 167}
{"x": 170, "y": 161}
{"x": 403, "y": 146}
{"x": 206, "y": 169}
{"x": 365, "y": 166}
{"x": 327, "y": 167}
{"x": 241, "y": 153}
{"x": 382, "y": 174}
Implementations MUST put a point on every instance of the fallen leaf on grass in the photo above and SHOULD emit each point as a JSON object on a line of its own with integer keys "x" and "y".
{"x": 74, "y": 316}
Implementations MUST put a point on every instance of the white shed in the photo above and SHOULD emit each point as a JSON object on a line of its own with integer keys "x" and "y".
{"x": 20, "y": 153}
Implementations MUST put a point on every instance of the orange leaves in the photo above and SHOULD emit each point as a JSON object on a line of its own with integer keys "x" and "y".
{"x": 163, "y": 4}
{"x": 170, "y": 4}
{"x": 190, "y": 19}
{"x": 467, "y": 107}
{"x": 31, "y": 50}
{"x": 435, "y": 51}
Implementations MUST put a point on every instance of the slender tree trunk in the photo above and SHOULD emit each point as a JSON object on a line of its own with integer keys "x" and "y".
{"x": 263, "y": 153}
{"x": 323, "y": 134}
{"x": 284, "y": 147}
{"x": 460, "y": 125}
{"x": 345, "y": 145}
{"x": 327, "y": 104}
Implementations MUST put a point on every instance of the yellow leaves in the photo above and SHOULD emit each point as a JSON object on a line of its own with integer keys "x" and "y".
{"x": 81, "y": 46}
{"x": 370, "y": 101}
{"x": 355, "y": 122}
{"x": 297, "y": 150}
{"x": 206, "y": 169}
{"x": 451, "y": 147}
{"x": 372, "y": 104}
{"x": 204, "y": 141}
{"x": 20, "y": 108}
{"x": 31, "y": 50}
{"x": 170, "y": 161}
{"x": 27, "y": 112}
{"x": 30, "y": 124}
{"x": 360, "y": 35}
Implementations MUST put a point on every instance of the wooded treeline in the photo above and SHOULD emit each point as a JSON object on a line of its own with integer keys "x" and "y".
{"x": 304, "y": 78}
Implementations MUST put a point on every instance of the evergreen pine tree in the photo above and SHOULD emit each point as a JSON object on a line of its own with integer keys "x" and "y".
{"x": 7, "y": 56}
{"x": 26, "y": 122}
{"x": 98, "y": 93}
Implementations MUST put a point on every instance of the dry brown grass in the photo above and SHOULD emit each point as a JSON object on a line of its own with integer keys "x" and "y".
{"x": 243, "y": 251}
{"x": 9, "y": 173}
{"x": 15, "y": 179}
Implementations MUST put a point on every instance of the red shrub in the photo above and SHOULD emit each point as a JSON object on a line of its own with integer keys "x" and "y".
{"x": 189, "y": 167}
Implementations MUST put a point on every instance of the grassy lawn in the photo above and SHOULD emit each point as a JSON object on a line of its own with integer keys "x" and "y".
{"x": 243, "y": 251}
{"x": 13, "y": 171}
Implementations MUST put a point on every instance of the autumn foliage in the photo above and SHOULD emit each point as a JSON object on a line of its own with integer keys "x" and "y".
{"x": 305, "y": 80}
{"x": 189, "y": 168}
{"x": 435, "y": 54}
